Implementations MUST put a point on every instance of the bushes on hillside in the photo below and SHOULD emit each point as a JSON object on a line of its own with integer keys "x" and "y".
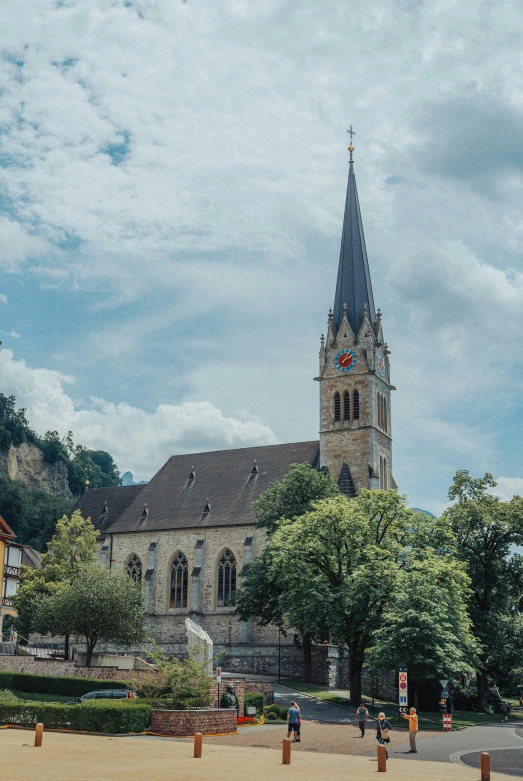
{"x": 52, "y": 684}
{"x": 95, "y": 716}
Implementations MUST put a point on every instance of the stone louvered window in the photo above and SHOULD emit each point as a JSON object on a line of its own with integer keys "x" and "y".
{"x": 337, "y": 406}
{"x": 356, "y": 405}
{"x": 383, "y": 474}
{"x": 179, "y": 581}
{"x": 226, "y": 579}
{"x": 346, "y": 405}
{"x": 134, "y": 568}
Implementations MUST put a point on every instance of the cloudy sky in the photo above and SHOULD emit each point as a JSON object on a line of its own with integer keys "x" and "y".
{"x": 172, "y": 180}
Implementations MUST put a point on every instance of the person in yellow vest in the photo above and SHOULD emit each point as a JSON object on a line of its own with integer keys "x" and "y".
{"x": 412, "y": 716}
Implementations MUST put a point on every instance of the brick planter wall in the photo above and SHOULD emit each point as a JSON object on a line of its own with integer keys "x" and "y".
{"x": 188, "y": 722}
{"x": 239, "y": 690}
{"x": 261, "y": 687}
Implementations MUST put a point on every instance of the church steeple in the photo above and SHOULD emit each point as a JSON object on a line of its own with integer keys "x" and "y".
{"x": 353, "y": 286}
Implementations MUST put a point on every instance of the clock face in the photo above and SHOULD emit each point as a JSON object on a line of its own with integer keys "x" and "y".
{"x": 380, "y": 364}
{"x": 345, "y": 360}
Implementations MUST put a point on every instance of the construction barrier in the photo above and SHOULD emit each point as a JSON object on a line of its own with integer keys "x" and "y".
{"x": 447, "y": 722}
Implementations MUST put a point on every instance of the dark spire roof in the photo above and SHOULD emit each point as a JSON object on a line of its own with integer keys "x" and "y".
{"x": 353, "y": 287}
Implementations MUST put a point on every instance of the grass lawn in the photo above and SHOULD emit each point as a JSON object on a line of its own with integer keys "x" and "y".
{"x": 427, "y": 720}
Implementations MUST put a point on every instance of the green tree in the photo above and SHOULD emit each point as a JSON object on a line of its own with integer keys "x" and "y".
{"x": 14, "y": 428}
{"x": 31, "y": 513}
{"x": 340, "y": 564}
{"x": 98, "y": 603}
{"x": 97, "y": 466}
{"x": 72, "y": 546}
{"x": 425, "y": 625}
{"x": 486, "y": 529}
{"x": 259, "y": 595}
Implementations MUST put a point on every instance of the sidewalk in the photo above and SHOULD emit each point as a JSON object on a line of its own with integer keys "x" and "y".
{"x": 88, "y": 757}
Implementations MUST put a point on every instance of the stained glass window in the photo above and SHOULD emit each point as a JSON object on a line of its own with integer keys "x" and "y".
{"x": 134, "y": 568}
{"x": 179, "y": 581}
{"x": 226, "y": 579}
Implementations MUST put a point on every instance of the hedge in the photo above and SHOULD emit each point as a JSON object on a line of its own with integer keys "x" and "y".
{"x": 96, "y": 716}
{"x": 52, "y": 684}
{"x": 254, "y": 700}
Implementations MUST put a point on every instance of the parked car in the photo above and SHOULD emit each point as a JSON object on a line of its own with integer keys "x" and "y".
{"x": 105, "y": 694}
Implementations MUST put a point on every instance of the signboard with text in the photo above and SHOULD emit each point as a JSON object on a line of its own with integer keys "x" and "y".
{"x": 403, "y": 695}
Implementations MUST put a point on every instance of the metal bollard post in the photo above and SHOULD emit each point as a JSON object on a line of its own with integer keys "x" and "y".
{"x": 39, "y": 734}
{"x": 286, "y": 754}
{"x": 382, "y": 759}
{"x": 198, "y": 745}
{"x": 485, "y": 766}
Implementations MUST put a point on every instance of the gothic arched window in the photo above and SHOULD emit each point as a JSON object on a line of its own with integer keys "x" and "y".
{"x": 356, "y": 405}
{"x": 227, "y": 579}
{"x": 179, "y": 581}
{"x": 385, "y": 421}
{"x": 134, "y": 568}
{"x": 337, "y": 406}
{"x": 346, "y": 405}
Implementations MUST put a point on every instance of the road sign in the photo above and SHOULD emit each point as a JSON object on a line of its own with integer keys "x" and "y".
{"x": 403, "y": 709}
{"x": 219, "y": 674}
{"x": 403, "y": 700}
{"x": 444, "y": 683}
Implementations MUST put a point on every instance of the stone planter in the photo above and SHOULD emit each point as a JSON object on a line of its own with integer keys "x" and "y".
{"x": 188, "y": 722}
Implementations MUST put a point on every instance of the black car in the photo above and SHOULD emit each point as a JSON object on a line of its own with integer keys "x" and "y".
{"x": 105, "y": 694}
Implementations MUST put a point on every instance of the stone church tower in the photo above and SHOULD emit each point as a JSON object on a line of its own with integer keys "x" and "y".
{"x": 355, "y": 389}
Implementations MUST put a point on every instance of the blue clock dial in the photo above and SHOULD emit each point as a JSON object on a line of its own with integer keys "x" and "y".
{"x": 345, "y": 360}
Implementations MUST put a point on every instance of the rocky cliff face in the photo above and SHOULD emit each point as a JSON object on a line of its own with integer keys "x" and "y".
{"x": 26, "y": 463}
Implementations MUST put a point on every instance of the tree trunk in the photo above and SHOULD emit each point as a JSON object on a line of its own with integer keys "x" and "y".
{"x": 483, "y": 690}
{"x": 307, "y": 657}
{"x": 89, "y": 654}
{"x": 66, "y": 647}
{"x": 355, "y": 668}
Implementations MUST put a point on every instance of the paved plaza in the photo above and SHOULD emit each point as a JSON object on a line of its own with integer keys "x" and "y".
{"x": 96, "y": 758}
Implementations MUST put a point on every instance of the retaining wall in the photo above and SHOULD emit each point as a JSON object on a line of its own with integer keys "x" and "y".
{"x": 187, "y": 722}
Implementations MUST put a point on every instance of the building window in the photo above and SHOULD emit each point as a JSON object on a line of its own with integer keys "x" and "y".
{"x": 179, "y": 581}
{"x": 356, "y": 405}
{"x": 227, "y": 578}
{"x": 382, "y": 413}
{"x": 134, "y": 568}
{"x": 337, "y": 406}
{"x": 385, "y": 419}
{"x": 383, "y": 474}
{"x": 346, "y": 405}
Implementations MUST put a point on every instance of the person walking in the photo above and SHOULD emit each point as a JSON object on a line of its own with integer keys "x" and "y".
{"x": 362, "y": 714}
{"x": 412, "y": 717}
{"x": 382, "y": 732}
{"x": 504, "y": 710}
{"x": 298, "y": 731}
{"x": 292, "y": 721}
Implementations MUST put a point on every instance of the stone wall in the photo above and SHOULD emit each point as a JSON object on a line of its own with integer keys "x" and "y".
{"x": 187, "y": 722}
{"x": 59, "y": 667}
{"x": 260, "y": 687}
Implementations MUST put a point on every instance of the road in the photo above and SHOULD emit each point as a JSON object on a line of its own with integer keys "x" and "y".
{"x": 504, "y": 742}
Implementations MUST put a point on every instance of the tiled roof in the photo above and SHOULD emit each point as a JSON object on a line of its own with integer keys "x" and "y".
{"x": 105, "y": 505}
{"x": 31, "y": 557}
{"x": 220, "y": 493}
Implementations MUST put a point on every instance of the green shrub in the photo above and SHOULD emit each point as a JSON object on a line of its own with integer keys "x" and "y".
{"x": 271, "y": 715}
{"x": 96, "y": 716}
{"x": 51, "y": 684}
{"x": 254, "y": 700}
{"x": 283, "y": 714}
{"x": 274, "y": 709}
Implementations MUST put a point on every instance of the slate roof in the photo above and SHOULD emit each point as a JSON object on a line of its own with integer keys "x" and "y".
{"x": 353, "y": 286}
{"x": 220, "y": 493}
{"x": 115, "y": 499}
{"x": 31, "y": 557}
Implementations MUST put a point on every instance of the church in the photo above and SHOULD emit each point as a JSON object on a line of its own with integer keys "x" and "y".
{"x": 187, "y": 533}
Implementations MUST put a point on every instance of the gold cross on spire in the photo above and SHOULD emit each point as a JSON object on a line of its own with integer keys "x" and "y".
{"x": 351, "y": 133}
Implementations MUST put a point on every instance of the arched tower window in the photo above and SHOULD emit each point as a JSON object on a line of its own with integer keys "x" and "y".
{"x": 385, "y": 419}
{"x": 337, "y": 406}
{"x": 346, "y": 405}
{"x": 356, "y": 405}
{"x": 179, "y": 581}
{"x": 227, "y": 578}
{"x": 134, "y": 568}
{"x": 379, "y": 410}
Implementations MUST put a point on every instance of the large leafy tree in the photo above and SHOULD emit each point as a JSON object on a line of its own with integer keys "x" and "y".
{"x": 425, "y": 625}
{"x": 72, "y": 547}
{"x": 98, "y": 603}
{"x": 340, "y": 564}
{"x": 259, "y": 595}
{"x": 486, "y": 529}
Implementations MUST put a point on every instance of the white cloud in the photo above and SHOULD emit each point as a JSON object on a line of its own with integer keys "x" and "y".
{"x": 138, "y": 440}
{"x": 11, "y": 334}
{"x": 17, "y": 245}
{"x": 507, "y": 487}
{"x": 3, "y": 298}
